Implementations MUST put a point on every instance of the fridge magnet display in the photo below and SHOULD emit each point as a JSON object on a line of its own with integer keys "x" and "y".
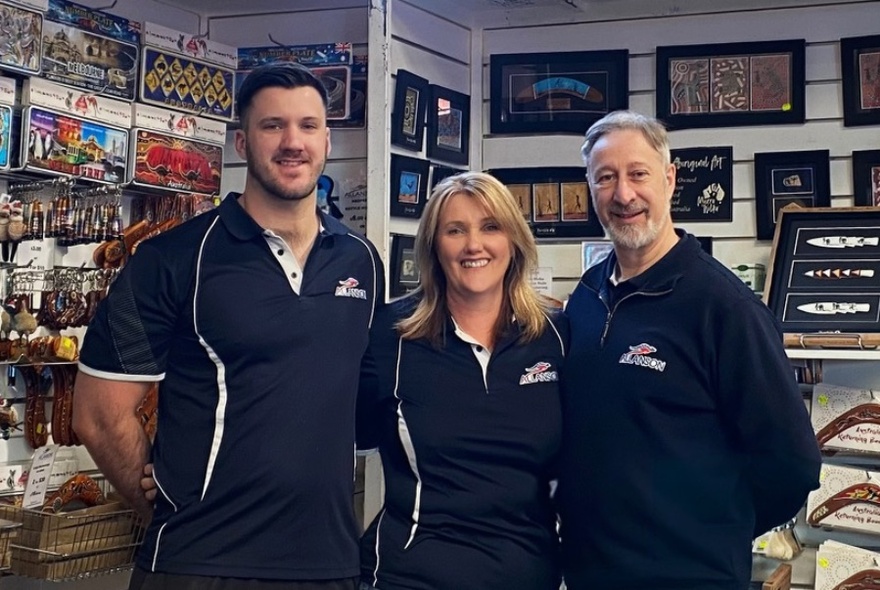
{"x": 824, "y": 272}
{"x": 449, "y": 123}
{"x": 175, "y": 163}
{"x": 90, "y": 62}
{"x": 703, "y": 184}
{"x": 866, "y": 178}
{"x": 860, "y": 66}
{"x": 21, "y": 38}
{"x": 403, "y": 262}
{"x": 186, "y": 84}
{"x": 62, "y": 144}
{"x": 731, "y": 84}
{"x": 409, "y": 186}
{"x": 410, "y": 103}
{"x": 556, "y": 92}
{"x": 783, "y": 178}
{"x": 555, "y": 202}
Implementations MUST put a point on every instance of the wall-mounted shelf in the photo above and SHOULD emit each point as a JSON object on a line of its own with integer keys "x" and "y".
{"x": 846, "y": 354}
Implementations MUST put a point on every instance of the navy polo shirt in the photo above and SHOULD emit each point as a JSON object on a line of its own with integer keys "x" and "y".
{"x": 469, "y": 442}
{"x": 254, "y": 453}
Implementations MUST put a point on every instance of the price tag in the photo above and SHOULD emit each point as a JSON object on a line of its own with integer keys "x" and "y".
{"x": 38, "y": 480}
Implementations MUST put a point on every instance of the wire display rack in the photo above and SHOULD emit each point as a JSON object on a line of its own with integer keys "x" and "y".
{"x": 76, "y": 544}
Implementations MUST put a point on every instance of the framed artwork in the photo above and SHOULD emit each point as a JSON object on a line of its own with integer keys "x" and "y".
{"x": 860, "y": 65}
{"x": 555, "y": 202}
{"x": 408, "y": 118}
{"x": 556, "y": 92}
{"x": 409, "y": 186}
{"x": 824, "y": 270}
{"x": 866, "y": 178}
{"x": 449, "y": 122}
{"x": 703, "y": 184}
{"x": 731, "y": 84}
{"x": 593, "y": 252}
{"x": 783, "y": 178}
{"x": 405, "y": 277}
{"x": 439, "y": 173}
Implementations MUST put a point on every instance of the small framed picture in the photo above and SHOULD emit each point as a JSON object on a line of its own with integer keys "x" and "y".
{"x": 441, "y": 173}
{"x": 409, "y": 186}
{"x": 593, "y": 252}
{"x": 785, "y": 178}
{"x": 449, "y": 121}
{"x": 408, "y": 118}
{"x": 860, "y": 66}
{"x": 545, "y": 201}
{"x": 866, "y": 178}
{"x": 522, "y": 194}
{"x": 406, "y": 274}
{"x": 731, "y": 84}
{"x": 562, "y": 92}
{"x": 574, "y": 201}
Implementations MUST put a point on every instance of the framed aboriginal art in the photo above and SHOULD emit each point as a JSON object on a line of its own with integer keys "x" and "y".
{"x": 555, "y": 202}
{"x": 703, "y": 184}
{"x": 731, "y": 84}
{"x": 556, "y": 92}
{"x": 824, "y": 270}
{"x": 860, "y": 65}
{"x": 783, "y": 178}
{"x": 866, "y": 178}
{"x": 408, "y": 117}
{"x": 409, "y": 186}
{"x": 403, "y": 265}
{"x": 449, "y": 123}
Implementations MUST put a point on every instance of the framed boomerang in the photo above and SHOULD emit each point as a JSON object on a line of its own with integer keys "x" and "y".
{"x": 556, "y": 92}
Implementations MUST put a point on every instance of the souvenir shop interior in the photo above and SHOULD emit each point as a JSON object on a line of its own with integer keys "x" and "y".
{"x": 117, "y": 122}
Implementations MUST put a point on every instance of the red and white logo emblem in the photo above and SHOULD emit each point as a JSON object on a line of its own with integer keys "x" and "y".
{"x": 539, "y": 373}
{"x": 638, "y": 355}
{"x": 348, "y": 288}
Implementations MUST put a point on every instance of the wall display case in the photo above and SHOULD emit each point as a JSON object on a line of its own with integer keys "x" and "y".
{"x": 801, "y": 178}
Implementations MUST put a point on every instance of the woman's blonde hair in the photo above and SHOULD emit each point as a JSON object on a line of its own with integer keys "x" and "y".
{"x": 521, "y": 300}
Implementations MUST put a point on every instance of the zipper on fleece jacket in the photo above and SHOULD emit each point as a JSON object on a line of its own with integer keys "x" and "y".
{"x": 611, "y": 311}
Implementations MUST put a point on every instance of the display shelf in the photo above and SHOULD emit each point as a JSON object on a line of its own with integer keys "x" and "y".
{"x": 828, "y": 354}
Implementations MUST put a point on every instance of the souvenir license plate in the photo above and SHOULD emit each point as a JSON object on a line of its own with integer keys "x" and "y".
{"x": 175, "y": 163}
{"x": 21, "y": 32}
{"x": 187, "y": 84}
{"x": 62, "y": 144}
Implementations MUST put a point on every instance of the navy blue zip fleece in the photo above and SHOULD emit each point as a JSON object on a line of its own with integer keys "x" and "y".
{"x": 685, "y": 434}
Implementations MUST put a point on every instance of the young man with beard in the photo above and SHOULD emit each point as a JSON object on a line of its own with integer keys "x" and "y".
{"x": 254, "y": 320}
{"x": 685, "y": 434}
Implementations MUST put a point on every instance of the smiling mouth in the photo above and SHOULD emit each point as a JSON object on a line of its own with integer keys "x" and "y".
{"x": 474, "y": 263}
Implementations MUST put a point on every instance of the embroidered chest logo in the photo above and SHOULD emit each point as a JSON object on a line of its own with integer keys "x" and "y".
{"x": 348, "y": 288}
{"x": 539, "y": 373}
{"x": 638, "y": 355}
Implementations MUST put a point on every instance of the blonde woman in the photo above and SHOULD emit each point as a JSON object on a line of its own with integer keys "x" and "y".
{"x": 465, "y": 407}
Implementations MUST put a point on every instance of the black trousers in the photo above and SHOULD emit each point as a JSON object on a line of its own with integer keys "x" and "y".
{"x": 144, "y": 580}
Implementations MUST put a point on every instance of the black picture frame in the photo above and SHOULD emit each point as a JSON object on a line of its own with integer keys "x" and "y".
{"x": 408, "y": 188}
{"x": 860, "y": 64}
{"x": 405, "y": 271}
{"x": 439, "y": 173}
{"x": 555, "y": 202}
{"x": 562, "y": 92}
{"x": 866, "y": 178}
{"x": 815, "y": 288}
{"x": 783, "y": 178}
{"x": 703, "y": 184}
{"x": 731, "y": 84}
{"x": 449, "y": 124}
{"x": 408, "y": 117}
